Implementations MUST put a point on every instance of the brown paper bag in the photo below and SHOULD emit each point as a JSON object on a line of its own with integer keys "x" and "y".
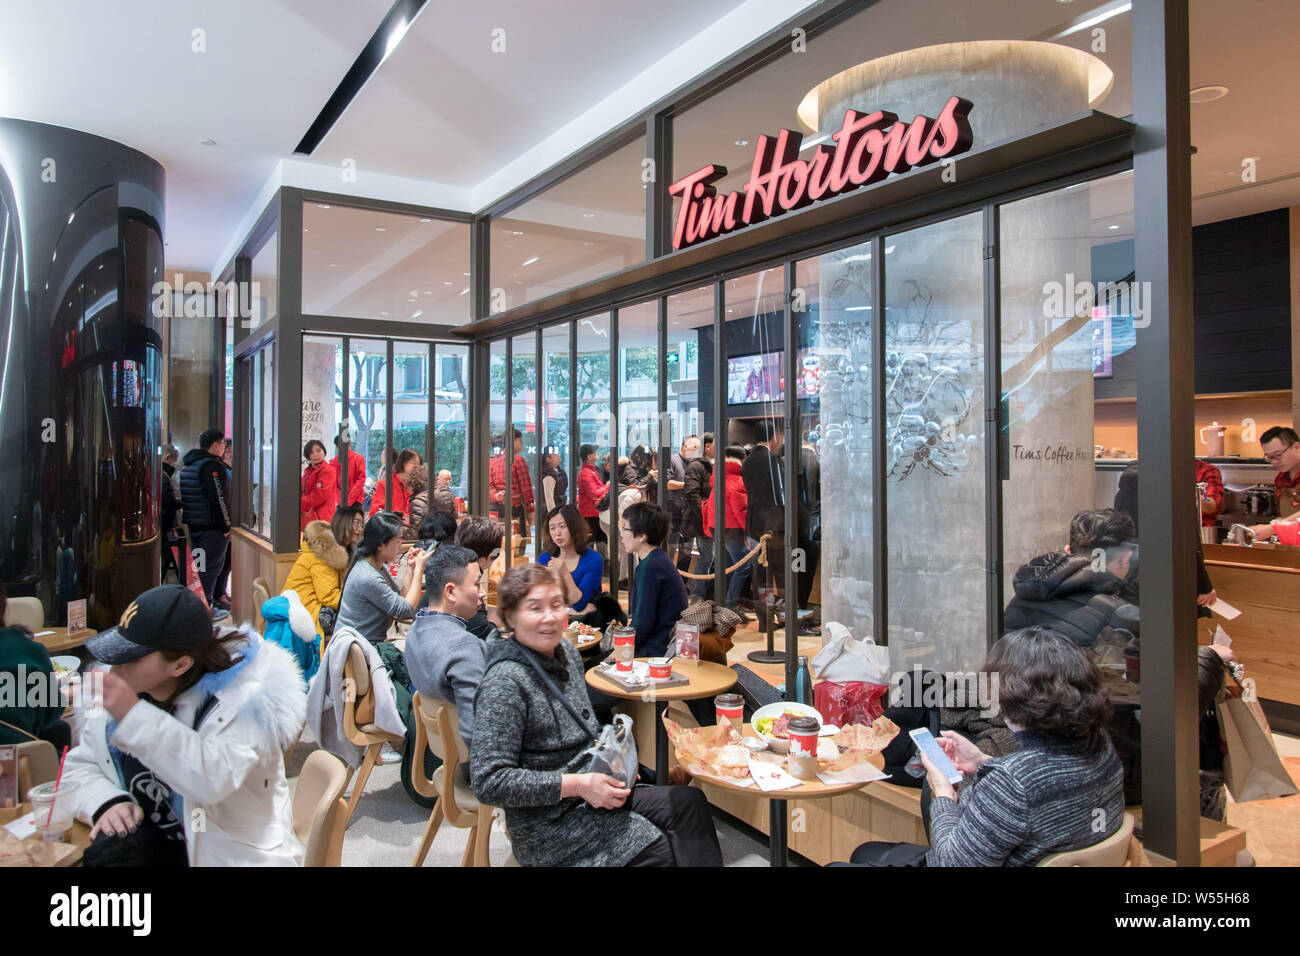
{"x": 1252, "y": 769}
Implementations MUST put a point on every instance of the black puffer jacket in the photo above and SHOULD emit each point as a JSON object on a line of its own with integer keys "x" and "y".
{"x": 204, "y": 493}
{"x": 1062, "y": 591}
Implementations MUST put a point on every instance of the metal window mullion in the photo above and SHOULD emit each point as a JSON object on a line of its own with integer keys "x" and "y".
{"x": 539, "y": 430}
{"x": 390, "y": 456}
{"x": 614, "y": 372}
{"x": 574, "y": 464}
{"x": 992, "y": 425}
{"x": 719, "y": 443}
{"x": 342, "y": 452}
{"x": 661, "y": 412}
{"x": 793, "y": 447}
{"x": 508, "y": 452}
{"x": 430, "y": 448}
{"x": 879, "y": 494}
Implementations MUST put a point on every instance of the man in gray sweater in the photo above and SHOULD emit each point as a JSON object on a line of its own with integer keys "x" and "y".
{"x": 445, "y": 660}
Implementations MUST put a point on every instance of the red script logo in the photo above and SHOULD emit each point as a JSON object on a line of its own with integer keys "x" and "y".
{"x": 868, "y": 147}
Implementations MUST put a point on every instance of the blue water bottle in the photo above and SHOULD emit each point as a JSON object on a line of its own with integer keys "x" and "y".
{"x": 803, "y": 688}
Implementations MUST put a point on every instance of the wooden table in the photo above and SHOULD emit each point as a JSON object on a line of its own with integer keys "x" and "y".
{"x": 1220, "y": 843}
{"x": 78, "y": 837}
{"x": 706, "y": 680}
{"x": 58, "y": 639}
{"x": 778, "y": 805}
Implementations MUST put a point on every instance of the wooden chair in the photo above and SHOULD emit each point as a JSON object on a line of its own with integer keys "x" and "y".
{"x": 38, "y": 762}
{"x": 359, "y": 721}
{"x": 440, "y": 731}
{"x": 261, "y": 594}
{"x": 320, "y": 813}
{"x": 25, "y": 611}
{"x": 1112, "y": 851}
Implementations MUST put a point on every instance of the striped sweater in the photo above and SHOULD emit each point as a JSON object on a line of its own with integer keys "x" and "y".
{"x": 1048, "y": 797}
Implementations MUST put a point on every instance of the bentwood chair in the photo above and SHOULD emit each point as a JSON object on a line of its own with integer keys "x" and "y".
{"x": 320, "y": 813}
{"x": 261, "y": 594}
{"x": 1112, "y": 851}
{"x": 359, "y": 721}
{"x": 25, "y": 611}
{"x": 38, "y": 762}
{"x": 440, "y": 731}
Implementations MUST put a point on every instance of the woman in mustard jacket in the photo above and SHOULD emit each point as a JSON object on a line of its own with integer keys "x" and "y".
{"x": 317, "y": 575}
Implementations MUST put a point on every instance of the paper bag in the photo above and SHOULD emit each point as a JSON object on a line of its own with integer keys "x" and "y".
{"x": 842, "y": 659}
{"x": 1252, "y": 769}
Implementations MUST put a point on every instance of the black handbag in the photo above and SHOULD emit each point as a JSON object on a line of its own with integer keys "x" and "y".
{"x": 328, "y": 616}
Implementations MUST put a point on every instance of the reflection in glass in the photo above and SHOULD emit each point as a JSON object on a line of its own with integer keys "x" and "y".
{"x": 451, "y": 409}
{"x": 523, "y": 413}
{"x": 558, "y": 479}
{"x": 934, "y": 411}
{"x": 367, "y": 382}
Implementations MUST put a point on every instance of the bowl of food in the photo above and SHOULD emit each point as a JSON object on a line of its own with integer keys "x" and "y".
{"x": 770, "y": 722}
{"x": 65, "y": 665}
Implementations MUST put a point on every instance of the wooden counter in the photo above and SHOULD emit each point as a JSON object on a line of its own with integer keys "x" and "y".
{"x": 1263, "y": 583}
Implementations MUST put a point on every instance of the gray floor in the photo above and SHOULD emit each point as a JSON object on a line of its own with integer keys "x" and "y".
{"x": 387, "y": 827}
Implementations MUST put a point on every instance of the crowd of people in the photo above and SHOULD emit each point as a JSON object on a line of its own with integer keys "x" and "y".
{"x": 197, "y": 714}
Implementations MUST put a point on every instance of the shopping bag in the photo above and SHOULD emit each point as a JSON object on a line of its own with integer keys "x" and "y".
{"x": 184, "y": 556}
{"x": 843, "y": 659}
{"x": 851, "y": 702}
{"x": 1252, "y": 769}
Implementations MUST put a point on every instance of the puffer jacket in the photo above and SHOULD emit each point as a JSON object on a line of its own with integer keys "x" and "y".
{"x": 204, "y": 491}
{"x": 229, "y": 769}
{"x": 737, "y": 502}
{"x": 1063, "y": 592}
{"x": 356, "y": 476}
{"x": 401, "y": 499}
{"x": 319, "y": 493}
{"x": 317, "y": 575}
{"x": 699, "y": 476}
{"x": 417, "y": 483}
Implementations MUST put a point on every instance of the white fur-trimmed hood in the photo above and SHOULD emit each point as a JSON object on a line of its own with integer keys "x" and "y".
{"x": 265, "y": 686}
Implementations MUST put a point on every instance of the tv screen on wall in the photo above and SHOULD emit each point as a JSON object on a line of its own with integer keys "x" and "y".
{"x": 755, "y": 378}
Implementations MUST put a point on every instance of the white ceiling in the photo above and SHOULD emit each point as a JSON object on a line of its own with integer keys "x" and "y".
{"x": 446, "y": 116}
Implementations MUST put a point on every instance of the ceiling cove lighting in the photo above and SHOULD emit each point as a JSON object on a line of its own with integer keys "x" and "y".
{"x": 384, "y": 41}
{"x": 1208, "y": 94}
{"x": 1089, "y": 20}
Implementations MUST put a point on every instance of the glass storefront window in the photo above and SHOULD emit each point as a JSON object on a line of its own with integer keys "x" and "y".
{"x": 451, "y": 411}
{"x": 367, "y": 264}
{"x": 934, "y": 427}
{"x": 523, "y": 415}
{"x": 367, "y": 405}
{"x": 589, "y": 225}
{"x": 411, "y": 398}
{"x": 497, "y": 412}
{"x": 690, "y": 390}
{"x": 263, "y": 298}
{"x": 555, "y": 423}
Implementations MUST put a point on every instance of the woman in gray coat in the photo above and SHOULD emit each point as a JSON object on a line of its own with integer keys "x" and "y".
{"x": 529, "y": 753}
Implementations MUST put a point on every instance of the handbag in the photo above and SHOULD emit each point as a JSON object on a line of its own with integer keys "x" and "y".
{"x": 614, "y": 750}
{"x": 327, "y": 616}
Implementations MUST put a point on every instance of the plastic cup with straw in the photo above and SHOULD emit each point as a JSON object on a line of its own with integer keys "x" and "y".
{"x": 49, "y": 793}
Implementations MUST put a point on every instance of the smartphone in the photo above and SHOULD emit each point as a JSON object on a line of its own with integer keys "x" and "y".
{"x": 926, "y": 743}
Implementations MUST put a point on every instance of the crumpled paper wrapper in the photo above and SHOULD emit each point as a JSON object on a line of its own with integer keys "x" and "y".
{"x": 858, "y": 743}
{"x": 32, "y": 851}
{"x": 701, "y": 750}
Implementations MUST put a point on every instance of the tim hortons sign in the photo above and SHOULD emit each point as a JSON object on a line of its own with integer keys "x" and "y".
{"x": 868, "y": 147}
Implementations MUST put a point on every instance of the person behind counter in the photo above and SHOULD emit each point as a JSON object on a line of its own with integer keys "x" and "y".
{"x": 1212, "y": 497}
{"x": 1281, "y": 447}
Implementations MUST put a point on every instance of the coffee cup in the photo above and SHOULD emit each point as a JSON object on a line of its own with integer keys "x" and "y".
{"x": 661, "y": 668}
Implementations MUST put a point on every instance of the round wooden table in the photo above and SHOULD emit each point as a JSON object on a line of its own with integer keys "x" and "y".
{"x": 58, "y": 639}
{"x": 706, "y": 680}
{"x": 778, "y": 805}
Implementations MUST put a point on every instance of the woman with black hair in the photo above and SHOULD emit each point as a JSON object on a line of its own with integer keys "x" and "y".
{"x": 406, "y": 462}
{"x": 320, "y": 486}
{"x": 579, "y": 568}
{"x": 370, "y": 599}
{"x": 658, "y": 595}
{"x": 1062, "y": 790}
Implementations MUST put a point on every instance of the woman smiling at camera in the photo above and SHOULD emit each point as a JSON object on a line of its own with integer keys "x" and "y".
{"x": 529, "y": 752}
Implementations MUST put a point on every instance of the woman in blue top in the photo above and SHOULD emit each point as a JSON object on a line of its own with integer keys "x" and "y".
{"x": 579, "y": 568}
{"x": 658, "y": 595}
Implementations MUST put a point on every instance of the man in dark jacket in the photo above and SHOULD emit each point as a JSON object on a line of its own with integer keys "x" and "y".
{"x": 766, "y": 514}
{"x": 695, "y": 488}
{"x": 204, "y": 495}
{"x": 679, "y": 547}
{"x": 1077, "y": 593}
{"x": 170, "y": 508}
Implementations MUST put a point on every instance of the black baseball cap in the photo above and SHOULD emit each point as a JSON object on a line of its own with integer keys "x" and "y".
{"x": 166, "y": 618}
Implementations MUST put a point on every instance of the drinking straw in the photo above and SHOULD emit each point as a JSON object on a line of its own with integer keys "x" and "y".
{"x": 57, "y": 780}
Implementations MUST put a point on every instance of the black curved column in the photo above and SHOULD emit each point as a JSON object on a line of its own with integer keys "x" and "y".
{"x": 81, "y": 221}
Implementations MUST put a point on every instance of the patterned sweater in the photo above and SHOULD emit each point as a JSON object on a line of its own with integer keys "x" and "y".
{"x": 1048, "y": 797}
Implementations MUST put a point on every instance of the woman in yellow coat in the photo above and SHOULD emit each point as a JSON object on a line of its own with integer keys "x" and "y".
{"x": 317, "y": 575}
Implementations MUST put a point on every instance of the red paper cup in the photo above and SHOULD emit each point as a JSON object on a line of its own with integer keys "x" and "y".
{"x": 661, "y": 667}
{"x": 730, "y": 708}
{"x": 624, "y": 651}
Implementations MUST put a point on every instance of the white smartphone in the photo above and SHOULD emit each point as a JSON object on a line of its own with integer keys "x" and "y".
{"x": 926, "y": 743}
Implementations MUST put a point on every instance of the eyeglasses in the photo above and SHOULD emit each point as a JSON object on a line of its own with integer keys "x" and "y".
{"x": 1277, "y": 455}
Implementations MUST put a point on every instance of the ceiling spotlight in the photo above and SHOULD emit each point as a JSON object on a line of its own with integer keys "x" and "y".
{"x": 1208, "y": 94}
{"x": 207, "y": 142}
{"x": 585, "y": 215}
{"x": 445, "y": 282}
{"x": 417, "y": 313}
{"x": 465, "y": 274}
{"x": 322, "y": 205}
{"x": 530, "y": 261}
{"x": 1112, "y": 227}
{"x": 334, "y": 265}
{"x": 463, "y": 291}
{"x": 426, "y": 220}
{"x": 742, "y": 142}
{"x": 381, "y": 228}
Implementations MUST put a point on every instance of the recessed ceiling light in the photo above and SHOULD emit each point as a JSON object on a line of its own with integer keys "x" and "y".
{"x": 417, "y": 313}
{"x": 742, "y": 142}
{"x": 334, "y": 265}
{"x": 463, "y": 291}
{"x": 445, "y": 282}
{"x": 1112, "y": 227}
{"x": 585, "y": 215}
{"x": 515, "y": 232}
{"x": 426, "y": 220}
{"x": 465, "y": 274}
{"x": 1208, "y": 94}
{"x": 531, "y": 260}
{"x": 305, "y": 229}
{"x": 383, "y": 313}
{"x": 381, "y": 228}
{"x": 207, "y": 142}
{"x": 322, "y": 205}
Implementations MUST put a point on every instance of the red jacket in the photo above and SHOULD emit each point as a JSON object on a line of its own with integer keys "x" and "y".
{"x": 356, "y": 476}
{"x": 1213, "y": 478}
{"x": 320, "y": 493}
{"x": 590, "y": 490}
{"x": 737, "y": 503}
{"x": 401, "y": 499}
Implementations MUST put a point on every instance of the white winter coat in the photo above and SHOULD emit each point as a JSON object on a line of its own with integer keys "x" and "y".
{"x": 237, "y": 809}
